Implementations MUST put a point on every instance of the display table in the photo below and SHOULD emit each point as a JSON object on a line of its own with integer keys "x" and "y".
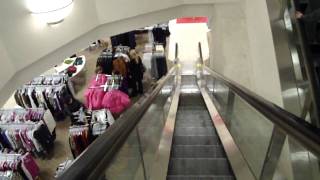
{"x": 64, "y": 66}
{"x": 77, "y": 79}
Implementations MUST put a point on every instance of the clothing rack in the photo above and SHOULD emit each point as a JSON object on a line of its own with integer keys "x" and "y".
{"x": 45, "y": 96}
{"x": 122, "y": 49}
{"x": 79, "y": 139}
{"x": 78, "y": 127}
{"x": 16, "y": 166}
{"x": 42, "y": 85}
{"x": 33, "y": 114}
{"x": 16, "y": 125}
{"x": 81, "y": 136}
{"x": 100, "y": 120}
{"x": 110, "y": 83}
{"x": 9, "y": 157}
{"x": 20, "y": 115}
{"x": 49, "y": 79}
{"x": 32, "y": 137}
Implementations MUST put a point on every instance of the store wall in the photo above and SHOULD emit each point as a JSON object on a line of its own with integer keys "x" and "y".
{"x": 242, "y": 48}
{"x": 229, "y": 50}
{"x": 262, "y": 51}
{"x": 7, "y": 69}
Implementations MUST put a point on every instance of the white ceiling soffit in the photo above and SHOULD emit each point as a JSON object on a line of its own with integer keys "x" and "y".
{"x": 207, "y": 1}
{"x": 104, "y": 30}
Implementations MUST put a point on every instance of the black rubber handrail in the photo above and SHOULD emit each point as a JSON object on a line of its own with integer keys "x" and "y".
{"x": 296, "y": 127}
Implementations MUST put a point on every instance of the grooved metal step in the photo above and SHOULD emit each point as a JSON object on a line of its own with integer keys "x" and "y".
{"x": 196, "y": 140}
{"x": 194, "y": 114}
{"x": 194, "y": 151}
{"x": 194, "y": 131}
{"x": 199, "y": 166}
{"x": 200, "y": 177}
{"x": 193, "y": 123}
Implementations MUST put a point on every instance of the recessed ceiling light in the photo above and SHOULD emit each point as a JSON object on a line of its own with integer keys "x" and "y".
{"x": 50, "y": 11}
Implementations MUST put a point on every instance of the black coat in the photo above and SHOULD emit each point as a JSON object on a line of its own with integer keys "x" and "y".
{"x": 136, "y": 70}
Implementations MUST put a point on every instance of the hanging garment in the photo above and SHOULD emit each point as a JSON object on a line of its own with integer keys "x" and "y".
{"x": 97, "y": 89}
{"x": 16, "y": 166}
{"x": 105, "y": 62}
{"x": 44, "y": 137}
{"x": 136, "y": 69}
{"x": 158, "y": 65}
{"x": 78, "y": 139}
{"x": 29, "y": 166}
{"x": 18, "y": 129}
{"x": 46, "y": 92}
{"x": 116, "y": 101}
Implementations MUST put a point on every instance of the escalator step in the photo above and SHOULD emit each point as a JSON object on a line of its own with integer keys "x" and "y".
{"x": 196, "y": 140}
{"x": 194, "y": 131}
{"x": 193, "y": 115}
{"x": 199, "y": 166}
{"x": 200, "y": 178}
{"x": 200, "y": 151}
{"x": 194, "y": 123}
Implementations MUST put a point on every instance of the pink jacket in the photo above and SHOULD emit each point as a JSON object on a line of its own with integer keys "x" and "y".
{"x": 94, "y": 96}
{"x": 94, "y": 99}
{"x": 116, "y": 101}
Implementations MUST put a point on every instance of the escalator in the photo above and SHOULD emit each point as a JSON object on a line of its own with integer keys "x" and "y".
{"x": 201, "y": 127}
{"x": 196, "y": 151}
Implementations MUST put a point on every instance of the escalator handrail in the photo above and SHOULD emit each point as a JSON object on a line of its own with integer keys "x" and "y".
{"x": 96, "y": 158}
{"x": 298, "y": 128}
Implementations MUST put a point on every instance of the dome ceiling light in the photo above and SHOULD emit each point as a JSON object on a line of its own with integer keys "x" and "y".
{"x": 50, "y": 11}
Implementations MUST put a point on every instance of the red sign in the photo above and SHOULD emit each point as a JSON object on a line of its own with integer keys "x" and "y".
{"x": 192, "y": 20}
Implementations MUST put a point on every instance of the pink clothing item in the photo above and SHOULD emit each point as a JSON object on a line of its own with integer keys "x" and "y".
{"x": 96, "y": 99}
{"x": 29, "y": 166}
{"x": 116, "y": 101}
{"x": 94, "y": 96}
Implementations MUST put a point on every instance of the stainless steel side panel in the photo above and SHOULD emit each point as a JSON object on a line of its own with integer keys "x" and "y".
{"x": 160, "y": 165}
{"x": 237, "y": 161}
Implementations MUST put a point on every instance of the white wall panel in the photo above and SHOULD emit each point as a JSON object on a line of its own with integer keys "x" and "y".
{"x": 7, "y": 69}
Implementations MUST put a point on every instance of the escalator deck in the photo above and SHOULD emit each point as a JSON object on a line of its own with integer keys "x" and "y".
{"x": 197, "y": 153}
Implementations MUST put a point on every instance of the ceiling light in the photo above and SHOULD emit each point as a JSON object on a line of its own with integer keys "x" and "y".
{"x": 50, "y": 11}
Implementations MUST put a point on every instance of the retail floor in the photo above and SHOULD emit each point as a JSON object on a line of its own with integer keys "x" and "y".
{"x": 61, "y": 151}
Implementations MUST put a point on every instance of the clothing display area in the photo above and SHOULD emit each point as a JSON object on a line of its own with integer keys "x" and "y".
{"x": 51, "y": 122}
{"x": 89, "y": 126}
{"x": 46, "y": 92}
{"x": 103, "y": 92}
{"x": 25, "y": 129}
{"x": 17, "y": 166}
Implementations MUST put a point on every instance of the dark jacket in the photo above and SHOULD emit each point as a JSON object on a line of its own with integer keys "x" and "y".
{"x": 136, "y": 69}
{"x": 312, "y": 16}
{"x": 314, "y": 5}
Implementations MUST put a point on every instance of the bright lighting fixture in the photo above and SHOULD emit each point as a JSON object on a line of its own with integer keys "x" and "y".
{"x": 50, "y": 11}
